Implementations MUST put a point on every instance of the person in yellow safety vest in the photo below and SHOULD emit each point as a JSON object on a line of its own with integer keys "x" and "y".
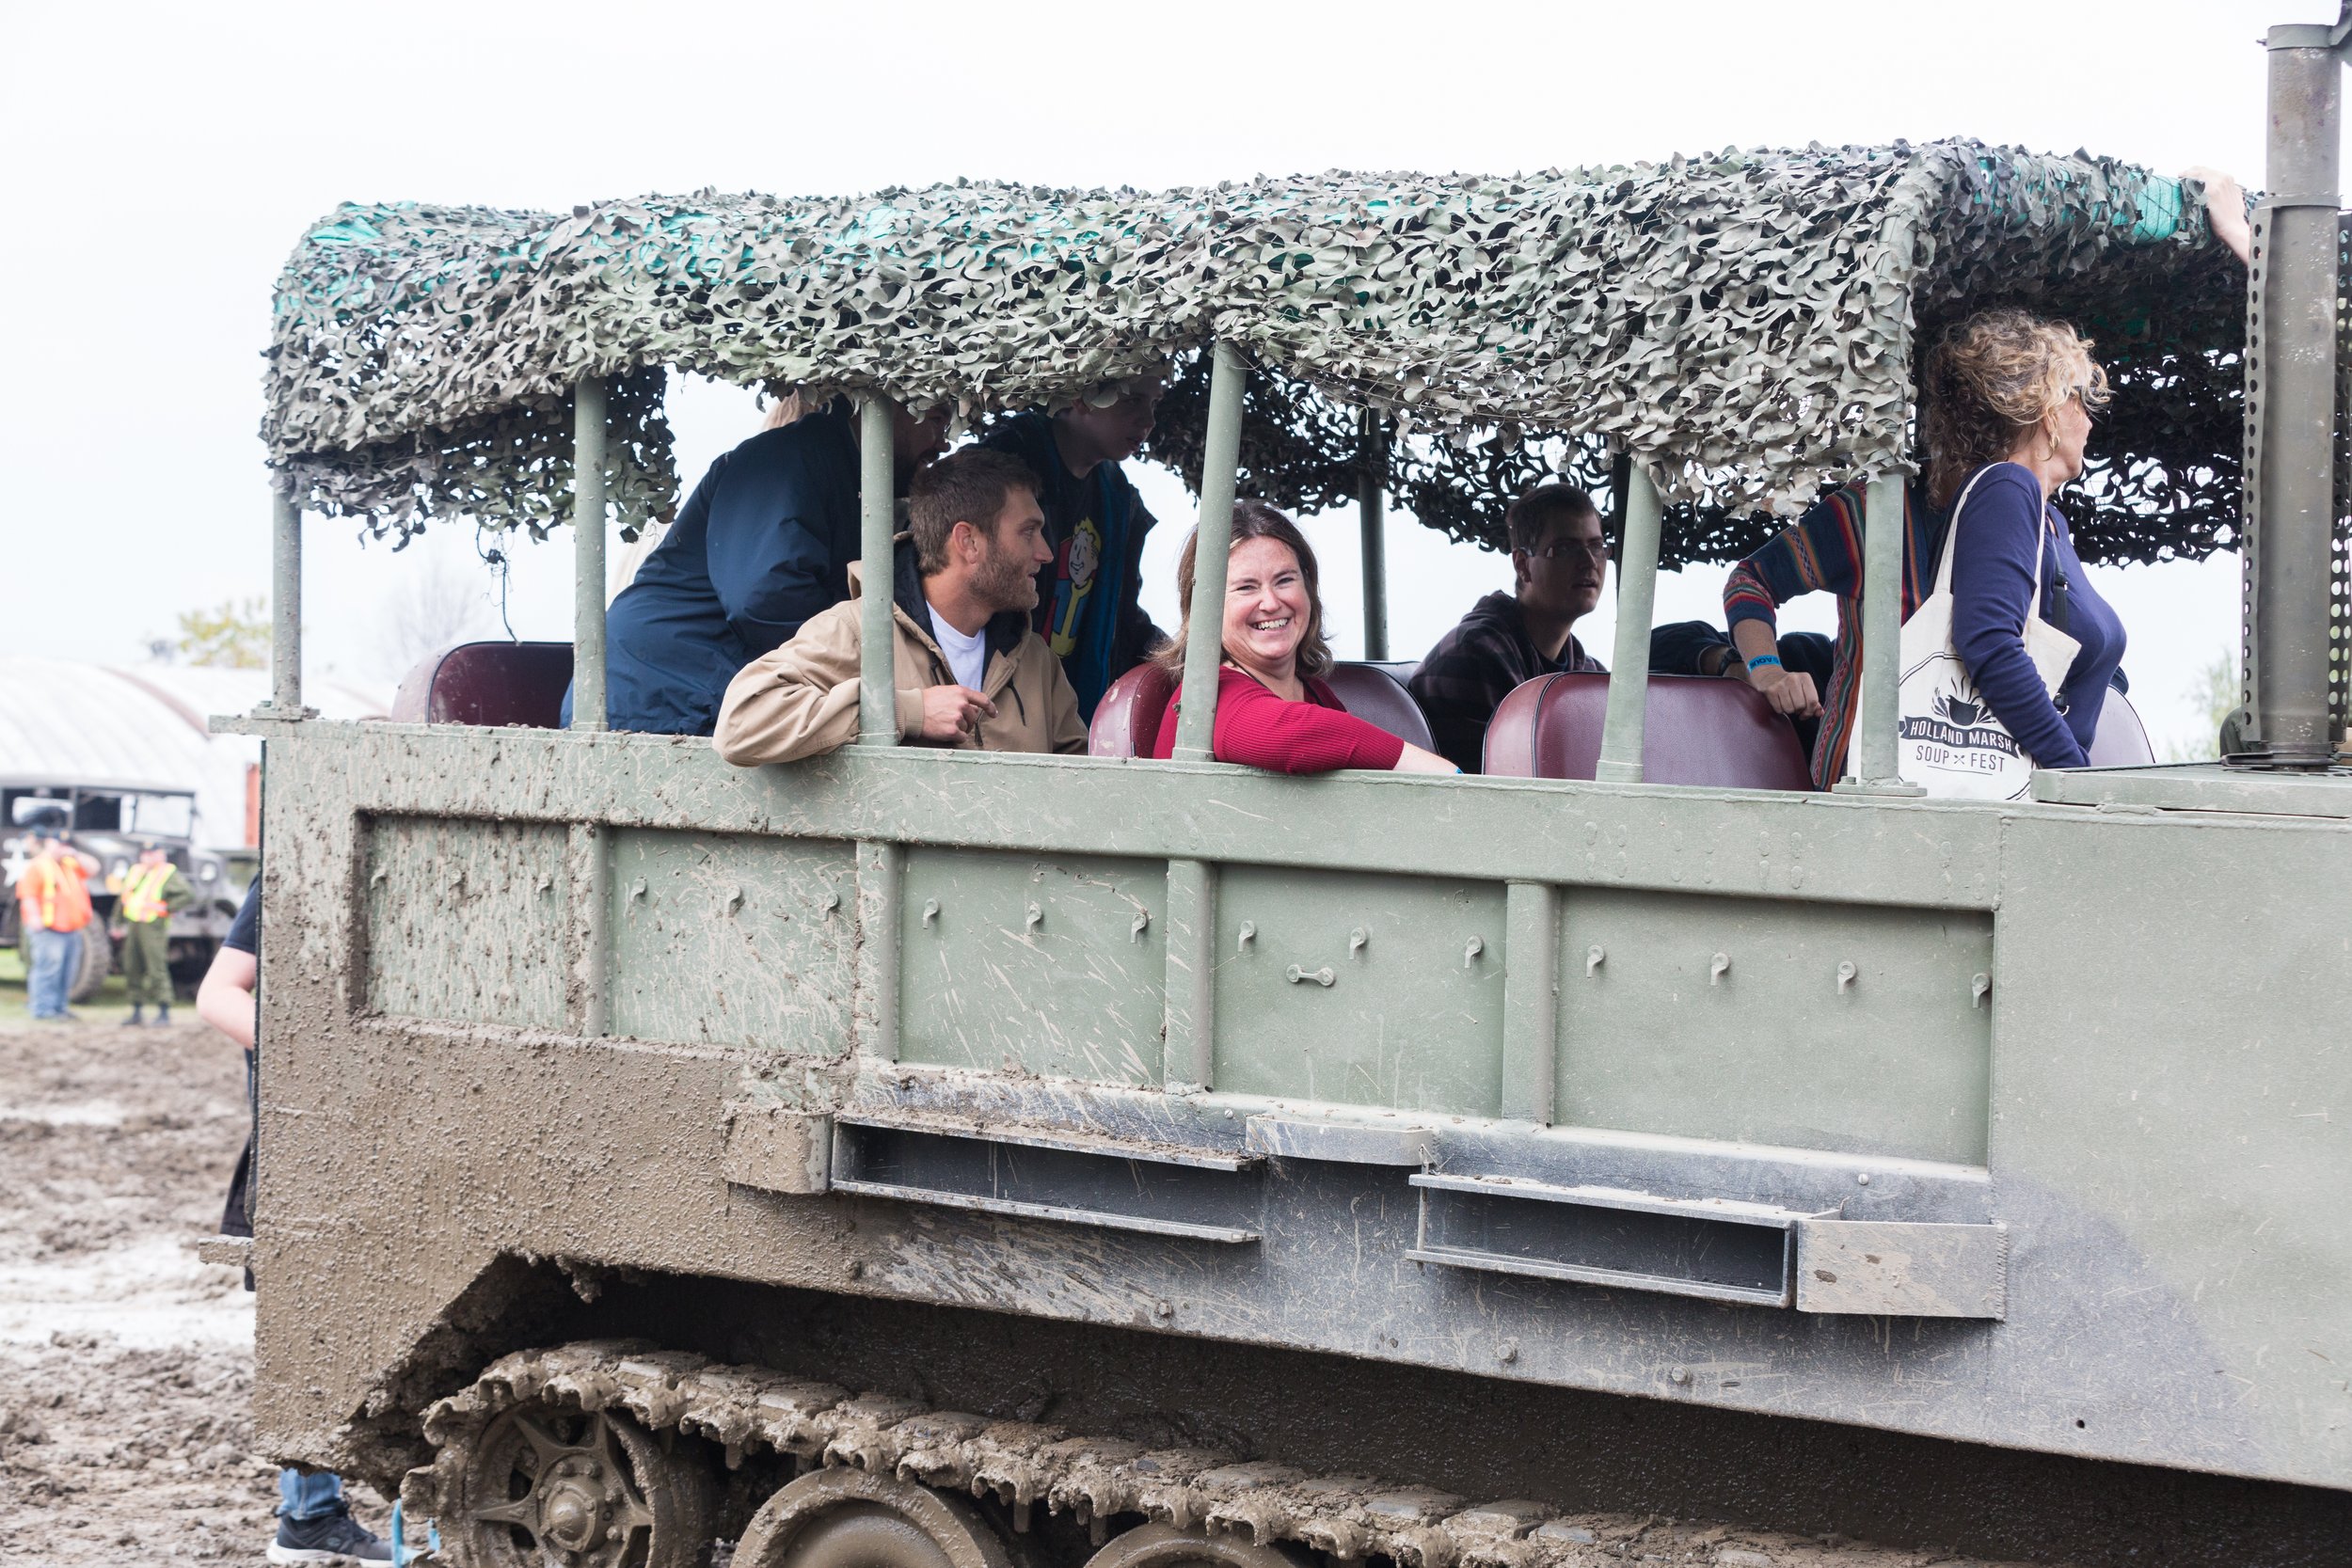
{"x": 53, "y": 895}
{"x": 146, "y": 898}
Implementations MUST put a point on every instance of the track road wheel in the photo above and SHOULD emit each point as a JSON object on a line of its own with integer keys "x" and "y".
{"x": 851, "y": 1519}
{"x": 1165, "y": 1546}
{"x": 546, "y": 1487}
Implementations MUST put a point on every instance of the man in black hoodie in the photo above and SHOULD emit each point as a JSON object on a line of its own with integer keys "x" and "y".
{"x": 1558, "y": 557}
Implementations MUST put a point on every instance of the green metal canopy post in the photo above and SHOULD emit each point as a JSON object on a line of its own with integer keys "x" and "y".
{"x": 1871, "y": 763}
{"x": 285, "y": 638}
{"x": 1190, "y": 1050}
{"x": 1637, "y": 592}
{"x": 881, "y": 863}
{"x": 877, "y": 702}
{"x": 1220, "y": 462}
{"x": 588, "y": 525}
{"x": 2289, "y": 409}
{"x": 1371, "y": 515}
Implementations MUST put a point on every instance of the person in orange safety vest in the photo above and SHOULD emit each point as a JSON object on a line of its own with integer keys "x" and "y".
{"x": 146, "y": 898}
{"x": 53, "y": 895}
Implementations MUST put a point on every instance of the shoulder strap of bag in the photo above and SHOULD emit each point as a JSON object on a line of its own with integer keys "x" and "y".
{"x": 2045, "y": 543}
{"x": 1951, "y": 534}
{"x": 1951, "y": 542}
{"x": 2041, "y": 547}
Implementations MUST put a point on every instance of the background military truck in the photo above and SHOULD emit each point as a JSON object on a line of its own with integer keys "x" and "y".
{"x": 931, "y": 1158}
{"x": 107, "y": 822}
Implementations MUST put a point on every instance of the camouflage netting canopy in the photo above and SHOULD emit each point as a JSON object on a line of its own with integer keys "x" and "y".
{"x": 1742, "y": 324}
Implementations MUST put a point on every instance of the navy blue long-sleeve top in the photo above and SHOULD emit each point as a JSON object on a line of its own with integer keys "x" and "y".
{"x": 764, "y": 542}
{"x": 1996, "y": 539}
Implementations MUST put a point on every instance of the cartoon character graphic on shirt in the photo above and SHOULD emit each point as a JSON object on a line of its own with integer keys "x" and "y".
{"x": 1079, "y": 560}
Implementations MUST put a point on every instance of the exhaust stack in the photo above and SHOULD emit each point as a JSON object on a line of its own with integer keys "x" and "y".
{"x": 2294, "y": 648}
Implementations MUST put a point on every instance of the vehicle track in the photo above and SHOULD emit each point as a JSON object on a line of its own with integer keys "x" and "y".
{"x": 1105, "y": 1484}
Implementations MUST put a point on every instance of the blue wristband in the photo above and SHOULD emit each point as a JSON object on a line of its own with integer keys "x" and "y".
{"x": 1762, "y": 659}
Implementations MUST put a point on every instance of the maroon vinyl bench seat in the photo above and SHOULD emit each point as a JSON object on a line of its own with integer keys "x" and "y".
{"x": 494, "y": 684}
{"x": 1376, "y": 696}
{"x": 1127, "y": 719}
{"x": 1699, "y": 730}
{"x": 1702, "y": 731}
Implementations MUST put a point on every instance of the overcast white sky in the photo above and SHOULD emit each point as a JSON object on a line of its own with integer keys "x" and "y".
{"x": 161, "y": 161}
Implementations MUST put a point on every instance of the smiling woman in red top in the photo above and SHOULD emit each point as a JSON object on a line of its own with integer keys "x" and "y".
{"x": 1273, "y": 709}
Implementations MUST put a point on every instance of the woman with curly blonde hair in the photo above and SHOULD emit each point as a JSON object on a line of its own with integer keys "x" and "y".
{"x": 2008, "y": 404}
{"x": 1823, "y": 551}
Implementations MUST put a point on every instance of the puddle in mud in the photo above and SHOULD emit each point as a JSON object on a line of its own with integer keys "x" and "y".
{"x": 86, "y": 1113}
{"x": 150, "y": 1294}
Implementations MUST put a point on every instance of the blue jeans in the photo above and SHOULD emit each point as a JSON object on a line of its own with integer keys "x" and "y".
{"x": 56, "y": 959}
{"x": 308, "y": 1496}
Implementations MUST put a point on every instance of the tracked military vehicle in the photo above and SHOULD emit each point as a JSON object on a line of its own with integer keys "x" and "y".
{"x": 922, "y": 1157}
{"x": 108, "y": 822}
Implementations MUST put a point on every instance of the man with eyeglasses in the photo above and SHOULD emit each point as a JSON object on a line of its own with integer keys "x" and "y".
{"x": 1558, "y": 558}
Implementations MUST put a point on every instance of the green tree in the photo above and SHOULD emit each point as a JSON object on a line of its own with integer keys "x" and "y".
{"x": 232, "y": 635}
{"x": 2215, "y": 695}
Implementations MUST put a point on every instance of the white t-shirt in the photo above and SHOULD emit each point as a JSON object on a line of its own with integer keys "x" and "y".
{"x": 967, "y": 656}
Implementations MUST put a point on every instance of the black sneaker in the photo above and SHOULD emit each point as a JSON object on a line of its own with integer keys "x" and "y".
{"x": 333, "y": 1539}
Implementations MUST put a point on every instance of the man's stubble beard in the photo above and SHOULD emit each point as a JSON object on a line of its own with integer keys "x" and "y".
{"x": 1009, "y": 582}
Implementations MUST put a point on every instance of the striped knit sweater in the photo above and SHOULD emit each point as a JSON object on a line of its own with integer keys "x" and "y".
{"x": 1822, "y": 550}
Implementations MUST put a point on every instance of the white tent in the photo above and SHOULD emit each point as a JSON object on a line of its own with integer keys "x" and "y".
{"x": 144, "y": 725}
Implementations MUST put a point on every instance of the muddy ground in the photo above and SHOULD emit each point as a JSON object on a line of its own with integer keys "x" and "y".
{"x": 125, "y": 1364}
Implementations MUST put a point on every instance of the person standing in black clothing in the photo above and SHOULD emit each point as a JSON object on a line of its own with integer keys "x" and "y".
{"x": 1090, "y": 599}
{"x": 314, "y": 1523}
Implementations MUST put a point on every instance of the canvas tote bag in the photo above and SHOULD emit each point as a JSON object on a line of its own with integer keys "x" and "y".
{"x": 1948, "y": 744}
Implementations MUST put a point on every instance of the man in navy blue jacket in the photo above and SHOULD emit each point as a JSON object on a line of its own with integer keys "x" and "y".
{"x": 764, "y": 542}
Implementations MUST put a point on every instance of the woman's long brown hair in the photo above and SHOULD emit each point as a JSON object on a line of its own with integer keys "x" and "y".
{"x": 1254, "y": 520}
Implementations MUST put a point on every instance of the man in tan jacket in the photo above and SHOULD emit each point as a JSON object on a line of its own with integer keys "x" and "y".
{"x": 969, "y": 671}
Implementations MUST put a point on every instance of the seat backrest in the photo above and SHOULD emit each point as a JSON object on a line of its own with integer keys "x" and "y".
{"x": 1127, "y": 719}
{"x": 1371, "y": 693}
{"x": 488, "y": 683}
{"x": 1699, "y": 730}
{"x": 2122, "y": 739}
